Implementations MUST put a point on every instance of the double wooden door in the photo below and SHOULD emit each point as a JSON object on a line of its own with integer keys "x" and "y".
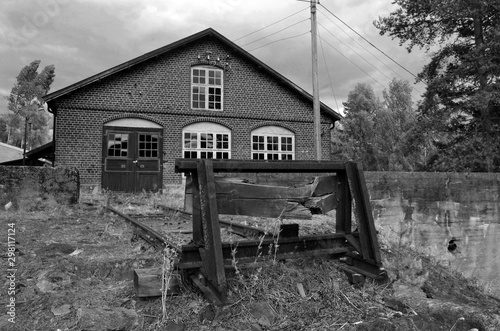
{"x": 132, "y": 159}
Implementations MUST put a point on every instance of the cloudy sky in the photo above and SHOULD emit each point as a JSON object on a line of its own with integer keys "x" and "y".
{"x": 84, "y": 37}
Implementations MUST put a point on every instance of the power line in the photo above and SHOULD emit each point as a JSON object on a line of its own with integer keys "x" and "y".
{"x": 361, "y": 56}
{"x": 272, "y": 34}
{"x": 267, "y": 26}
{"x": 328, "y": 71}
{"x": 353, "y": 63}
{"x": 364, "y": 48}
{"x": 378, "y": 49}
{"x": 272, "y": 42}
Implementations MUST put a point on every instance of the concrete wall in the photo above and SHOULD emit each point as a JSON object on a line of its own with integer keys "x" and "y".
{"x": 31, "y": 188}
{"x": 427, "y": 210}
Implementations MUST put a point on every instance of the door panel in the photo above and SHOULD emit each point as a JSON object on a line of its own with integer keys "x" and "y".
{"x": 132, "y": 159}
{"x": 147, "y": 169}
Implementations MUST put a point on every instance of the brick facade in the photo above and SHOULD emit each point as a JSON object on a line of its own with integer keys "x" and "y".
{"x": 158, "y": 90}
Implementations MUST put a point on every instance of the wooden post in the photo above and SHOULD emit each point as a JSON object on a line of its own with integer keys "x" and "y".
{"x": 343, "y": 215}
{"x": 211, "y": 253}
{"x": 198, "y": 238}
{"x": 367, "y": 233}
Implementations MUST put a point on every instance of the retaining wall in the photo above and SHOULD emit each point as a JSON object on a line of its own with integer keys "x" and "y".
{"x": 30, "y": 188}
{"x": 433, "y": 211}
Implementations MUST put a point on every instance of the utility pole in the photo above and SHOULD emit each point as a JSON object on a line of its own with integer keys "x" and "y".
{"x": 316, "y": 104}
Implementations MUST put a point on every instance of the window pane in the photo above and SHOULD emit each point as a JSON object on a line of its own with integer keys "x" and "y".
{"x": 211, "y": 145}
{"x": 118, "y": 144}
{"x": 272, "y": 143}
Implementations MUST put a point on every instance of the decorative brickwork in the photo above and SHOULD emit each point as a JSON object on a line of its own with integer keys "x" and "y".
{"x": 158, "y": 90}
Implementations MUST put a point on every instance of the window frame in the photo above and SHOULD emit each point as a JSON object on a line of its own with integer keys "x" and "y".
{"x": 204, "y": 83}
{"x": 114, "y": 146}
{"x": 199, "y": 141}
{"x": 266, "y": 152}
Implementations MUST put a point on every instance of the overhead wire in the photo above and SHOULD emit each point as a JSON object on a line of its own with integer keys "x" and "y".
{"x": 361, "y": 56}
{"x": 325, "y": 41}
{"x": 364, "y": 48}
{"x": 267, "y": 26}
{"x": 328, "y": 71}
{"x": 369, "y": 42}
{"x": 272, "y": 42}
{"x": 272, "y": 34}
{"x": 353, "y": 62}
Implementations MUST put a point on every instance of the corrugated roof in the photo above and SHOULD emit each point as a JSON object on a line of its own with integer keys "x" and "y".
{"x": 165, "y": 49}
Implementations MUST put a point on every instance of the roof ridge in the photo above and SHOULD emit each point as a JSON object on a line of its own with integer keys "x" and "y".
{"x": 169, "y": 47}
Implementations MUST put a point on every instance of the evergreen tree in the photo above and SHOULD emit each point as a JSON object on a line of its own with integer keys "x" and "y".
{"x": 461, "y": 107}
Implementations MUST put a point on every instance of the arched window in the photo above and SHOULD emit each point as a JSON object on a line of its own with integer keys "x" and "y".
{"x": 206, "y": 87}
{"x": 206, "y": 140}
{"x": 273, "y": 143}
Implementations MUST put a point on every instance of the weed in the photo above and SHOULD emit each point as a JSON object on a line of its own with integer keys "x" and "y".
{"x": 169, "y": 256}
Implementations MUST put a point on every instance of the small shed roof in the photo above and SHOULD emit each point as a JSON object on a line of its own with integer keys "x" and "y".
{"x": 9, "y": 152}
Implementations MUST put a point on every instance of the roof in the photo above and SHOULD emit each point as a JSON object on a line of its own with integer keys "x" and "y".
{"x": 45, "y": 151}
{"x": 168, "y": 48}
{"x": 9, "y": 152}
{"x": 11, "y": 155}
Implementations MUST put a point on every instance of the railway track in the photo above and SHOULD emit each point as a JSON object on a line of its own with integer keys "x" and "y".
{"x": 176, "y": 233}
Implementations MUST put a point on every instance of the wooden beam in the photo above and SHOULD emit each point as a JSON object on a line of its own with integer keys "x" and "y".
{"x": 147, "y": 283}
{"x": 211, "y": 253}
{"x": 240, "y": 166}
{"x": 344, "y": 213}
{"x": 324, "y": 185}
{"x": 370, "y": 249}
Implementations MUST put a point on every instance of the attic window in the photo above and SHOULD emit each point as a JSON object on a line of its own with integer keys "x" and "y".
{"x": 206, "y": 88}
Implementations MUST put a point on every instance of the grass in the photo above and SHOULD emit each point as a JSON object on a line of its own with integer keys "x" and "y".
{"x": 328, "y": 301}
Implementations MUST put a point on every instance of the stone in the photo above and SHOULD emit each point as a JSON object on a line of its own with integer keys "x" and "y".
{"x": 51, "y": 280}
{"x": 406, "y": 292}
{"x": 174, "y": 326}
{"x": 207, "y": 314}
{"x": 61, "y": 311}
{"x": 262, "y": 313}
{"x": 107, "y": 319}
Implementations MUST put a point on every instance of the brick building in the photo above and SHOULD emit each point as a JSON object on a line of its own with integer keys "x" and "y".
{"x": 202, "y": 96}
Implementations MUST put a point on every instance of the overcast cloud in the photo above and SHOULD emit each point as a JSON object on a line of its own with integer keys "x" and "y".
{"x": 84, "y": 37}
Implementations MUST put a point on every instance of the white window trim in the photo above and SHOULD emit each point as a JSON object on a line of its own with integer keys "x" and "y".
{"x": 207, "y": 86}
{"x": 208, "y": 128}
{"x": 272, "y": 131}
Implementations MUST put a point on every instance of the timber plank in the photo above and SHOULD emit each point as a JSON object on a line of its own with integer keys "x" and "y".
{"x": 321, "y": 205}
{"x": 263, "y": 208}
{"x": 241, "y": 166}
{"x": 324, "y": 185}
{"x": 255, "y": 191}
{"x": 147, "y": 283}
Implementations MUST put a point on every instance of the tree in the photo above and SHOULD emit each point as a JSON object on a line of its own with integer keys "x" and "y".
{"x": 395, "y": 126}
{"x": 378, "y": 134}
{"x": 356, "y": 138}
{"x": 462, "y": 100}
{"x": 26, "y": 111}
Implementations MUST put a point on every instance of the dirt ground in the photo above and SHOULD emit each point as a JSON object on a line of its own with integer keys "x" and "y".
{"x": 74, "y": 267}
